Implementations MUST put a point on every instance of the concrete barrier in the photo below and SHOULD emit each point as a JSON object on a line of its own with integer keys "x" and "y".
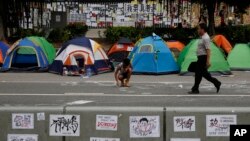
{"x": 242, "y": 115}
{"x": 40, "y": 126}
{"x": 114, "y": 123}
{"x": 88, "y": 127}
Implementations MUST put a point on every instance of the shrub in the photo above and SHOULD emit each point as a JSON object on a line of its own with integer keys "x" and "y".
{"x": 22, "y": 33}
{"x": 76, "y": 29}
{"x": 58, "y": 35}
{"x": 68, "y": 32}
{"x": 235, "y": 34}
{"x": 114, "y": 33}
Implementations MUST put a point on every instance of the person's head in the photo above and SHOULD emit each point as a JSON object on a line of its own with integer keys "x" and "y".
{"x": 202, "y": 29}
{"x": 144, "y": 121}
{"x": 126, "y": 62}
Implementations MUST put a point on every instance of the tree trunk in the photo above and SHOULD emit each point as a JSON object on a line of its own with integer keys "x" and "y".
{"x": 1, "y": 20}
{"x": 1, "y": 28}
{"x": 211, "y": 9}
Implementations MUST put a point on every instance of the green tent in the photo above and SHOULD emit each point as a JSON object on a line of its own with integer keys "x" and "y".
{"x": 239, "y": 57}
{"x": 47, "y": 47}
{"x": 218, "y": 60}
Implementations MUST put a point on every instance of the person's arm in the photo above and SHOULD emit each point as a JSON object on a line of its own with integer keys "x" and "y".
{"x": 129, "y": 76}
{"x": 116, "y": 74}
{"x": 208, "y": 58}
{"x": 207, "y": 46}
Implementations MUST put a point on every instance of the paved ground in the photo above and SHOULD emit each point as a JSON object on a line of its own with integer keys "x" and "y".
{"x": 165, "y": 90}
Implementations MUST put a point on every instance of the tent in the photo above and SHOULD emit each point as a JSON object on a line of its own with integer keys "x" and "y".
{"x": 152, "y": 56}
{"x": 120, "y": 50}
{"x": 222, "y": 42}
{"x": 176, "y": 47}
{"x": 81, "y": 53}
{"x": 30, "y": 53}
{"x": 218, "y": 61}
{"x": 239, "y": 57}
{"x": 3, "y": 50}
{"x": 47, "y": 48}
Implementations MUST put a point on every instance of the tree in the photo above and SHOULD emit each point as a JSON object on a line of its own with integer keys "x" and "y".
{"x": 1, "y": 20}
{"x": 241, "y": 5}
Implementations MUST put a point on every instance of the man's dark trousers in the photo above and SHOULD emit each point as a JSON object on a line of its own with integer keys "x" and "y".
{"x": 202, "y": 71}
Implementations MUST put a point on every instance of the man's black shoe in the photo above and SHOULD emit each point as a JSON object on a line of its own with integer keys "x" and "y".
{"x": 218, "y": 87}
{"x": 194, "y": 92}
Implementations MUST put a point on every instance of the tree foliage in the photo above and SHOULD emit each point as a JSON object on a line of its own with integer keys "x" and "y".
{"x": 241, "y": 6}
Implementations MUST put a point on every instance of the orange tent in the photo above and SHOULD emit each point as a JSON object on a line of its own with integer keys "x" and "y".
{"x": 222, "y": 42}
{"x": 3, "y": 50}
{"x": 1, "y": 57}
{"x": 175, "y": 45}
{"x": 120, "y": 50}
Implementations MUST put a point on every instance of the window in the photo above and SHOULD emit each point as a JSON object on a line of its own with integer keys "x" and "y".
{"x": 146, "y": 49}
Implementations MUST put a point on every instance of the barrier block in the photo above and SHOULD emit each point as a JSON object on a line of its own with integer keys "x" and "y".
{"x": 27, "y": 120}
{"x": 204, "y": 123}
{"x": 118, "y": 123}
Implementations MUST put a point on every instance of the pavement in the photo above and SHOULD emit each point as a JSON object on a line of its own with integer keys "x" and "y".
{"x": 46, "y": 89}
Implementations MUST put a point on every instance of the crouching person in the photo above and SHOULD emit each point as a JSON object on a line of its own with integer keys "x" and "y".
{"x": 123, "y": 73}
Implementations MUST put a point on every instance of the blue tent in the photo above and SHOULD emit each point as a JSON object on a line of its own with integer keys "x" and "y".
{"x": 152, "y": 56}
{"x": 25, "y": 54}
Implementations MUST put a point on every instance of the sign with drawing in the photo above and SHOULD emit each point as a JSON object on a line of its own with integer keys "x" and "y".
{"x": 219, "y": 125}
{"x": 22, "y": 137}
{"x": 64, "y": 125}
{"x": 106, "y": 122}
{"x": 104, "y": 139}
{"x": 184, "y": 123}
{"x": 144, "y": 126}
{"x": 22, "y": 121}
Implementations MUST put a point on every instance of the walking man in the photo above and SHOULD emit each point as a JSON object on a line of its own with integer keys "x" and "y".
{"x": 203, "y": 63}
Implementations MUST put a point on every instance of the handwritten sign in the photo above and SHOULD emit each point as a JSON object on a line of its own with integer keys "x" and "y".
{"x": 185, "y": 139}
{"x": 104, "y": 139}
{"x": 184, "y": 124}
{"x": 64, "y": 125}
{"x": 22, "y": 121}
{"x": 106, "y": 122}
{"x": 219, "y": 125}
{"x": 144, "y": 126}
{"x": 22, "y": 137}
